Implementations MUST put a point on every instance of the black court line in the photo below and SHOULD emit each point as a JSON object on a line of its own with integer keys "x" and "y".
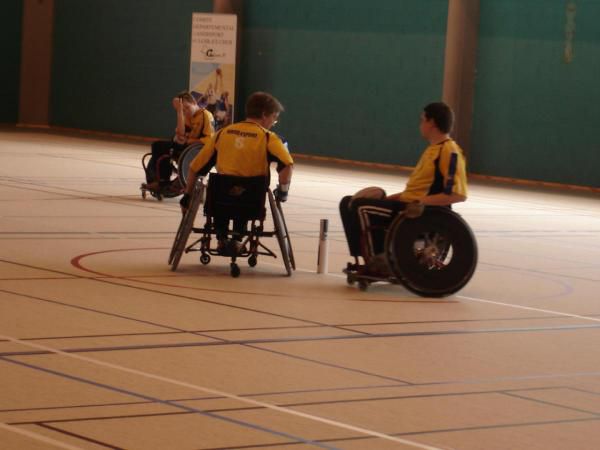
{"x": 548, "y": 403}
{"x": 415, "y": 433}
{"x": 176, "y": 405}
{"x": 326, "y": 364}
{"x": 79, "y": 436}
{"x": 291, "y": 327}
{"x": 254, "y": 342}
{"x": 312, "y": 403}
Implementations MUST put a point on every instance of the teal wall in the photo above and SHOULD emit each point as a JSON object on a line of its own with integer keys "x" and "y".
{"x": 536, "y": 117}
{"x": 10, "y": 49}
{"x": 353, "y": 75}
{"x": 117, "y": 64}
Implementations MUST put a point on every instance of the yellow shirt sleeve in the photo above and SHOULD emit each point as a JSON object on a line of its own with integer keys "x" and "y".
{"x": 205, "y": 154}
{"x": 452, "y": 166}
{"x": 277, "y": 149}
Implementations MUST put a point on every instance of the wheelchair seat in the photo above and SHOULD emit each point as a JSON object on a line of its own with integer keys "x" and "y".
{"x": 233, "y": 198}
{"x": 236, "y": 198}
{"x": 432, "y": 255}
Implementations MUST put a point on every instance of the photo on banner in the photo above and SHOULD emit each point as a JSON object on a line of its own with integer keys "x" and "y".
{"x": 212, "y": 64}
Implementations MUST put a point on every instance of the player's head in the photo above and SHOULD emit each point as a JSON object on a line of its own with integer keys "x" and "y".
{"x": 189, "y": 102}
{"x": 264, "y": 108}
{"x": 436, "y": 118}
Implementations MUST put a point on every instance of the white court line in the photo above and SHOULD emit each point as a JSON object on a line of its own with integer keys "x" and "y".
{"x": 529, "y": 308}
{"x": 38, "y": 437}
{"x": 195, "y": 387}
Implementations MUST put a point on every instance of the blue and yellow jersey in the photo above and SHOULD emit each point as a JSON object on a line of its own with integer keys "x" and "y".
{"x": 242, "y": 149}
{"x": 201, "y": 126}
{"x": 441, "y": 169}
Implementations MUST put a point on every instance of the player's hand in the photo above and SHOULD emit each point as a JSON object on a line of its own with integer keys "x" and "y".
{"x": 281, "y": 193}
{"x": 414, "y": 209}
{"x": 185, "y": 202}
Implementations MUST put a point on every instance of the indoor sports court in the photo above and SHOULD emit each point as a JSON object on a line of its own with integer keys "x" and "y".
{"x": 104, "y": 346}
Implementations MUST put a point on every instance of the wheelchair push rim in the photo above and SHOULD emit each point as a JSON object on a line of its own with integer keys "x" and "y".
{"x": 433, "y": 255}
{"x": 281, "y": 232}
{"x": 185, "y": 159}
{"x": 186, "y": 225}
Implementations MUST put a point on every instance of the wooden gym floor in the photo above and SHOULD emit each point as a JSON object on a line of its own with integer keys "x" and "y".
{"x": 103, "y": 347}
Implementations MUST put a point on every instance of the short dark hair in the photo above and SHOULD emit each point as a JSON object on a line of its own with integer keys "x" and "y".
{"x": 186, "y": 96}
{"x": 441, "y": 114}
{"x": 262, "y": 104}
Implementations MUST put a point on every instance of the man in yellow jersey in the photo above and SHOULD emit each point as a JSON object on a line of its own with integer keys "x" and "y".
{"x": 194, "y": 124}
{"x": 438, "y": 179}
{"x": 246, "y": 149}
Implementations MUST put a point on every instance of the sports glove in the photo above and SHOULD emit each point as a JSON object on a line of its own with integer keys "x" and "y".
{"x": 281, "y": 192}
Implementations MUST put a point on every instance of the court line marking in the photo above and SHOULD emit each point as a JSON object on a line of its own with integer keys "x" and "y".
{"x": 195, "y": 387}
{"x": 38, "y": 437}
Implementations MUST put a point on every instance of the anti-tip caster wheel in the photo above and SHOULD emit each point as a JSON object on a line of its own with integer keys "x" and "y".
{"x": 205, "y": 258}
{"x": 363, "y": 285}
{"x": 235, "y": 270}
{"x": 252, "y": 261}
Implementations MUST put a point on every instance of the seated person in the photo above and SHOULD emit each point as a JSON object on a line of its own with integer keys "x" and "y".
{"x": 245, "y": 149}
{"x": 194, "y": 124}
{"x": 438, "y": 179}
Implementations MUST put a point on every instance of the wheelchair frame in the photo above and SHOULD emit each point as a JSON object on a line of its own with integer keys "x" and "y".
{"x": 251, "y": 245}
{"x": 433, "y": 255}
{"x": 177, "y": 184}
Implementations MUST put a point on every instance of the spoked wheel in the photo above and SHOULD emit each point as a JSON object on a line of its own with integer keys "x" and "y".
{"x": 185, "y": 226}
{"x": 434, "y": 255}
{"x": 282, "y": 237}
{"x": 186, "y": 158}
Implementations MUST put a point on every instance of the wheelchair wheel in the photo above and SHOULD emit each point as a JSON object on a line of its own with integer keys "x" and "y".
{"x": 185, "y": 159}
{"x": 282, "y": 237}
{"x": 433, "y": 255}
{"x": 185, "y": 226}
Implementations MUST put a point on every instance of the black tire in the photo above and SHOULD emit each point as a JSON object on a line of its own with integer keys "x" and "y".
{"x": 282, "y": 239}
{"x": 363, "y": 285}
{"x": 433, "y": 255}
{"x": 205, "y": 259}
{"x": 252, "y": 261}
{"x": 185, "y": 226}
{"x": 235, "y": 270}
{"x": 185, "y": 159}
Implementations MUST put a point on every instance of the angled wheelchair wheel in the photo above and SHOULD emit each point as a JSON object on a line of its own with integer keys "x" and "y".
{"x": 185, "y": 226}
{"x": 433, "y": 255}
{"x": 281, "y": 232}
{"x": 186, "y": 158}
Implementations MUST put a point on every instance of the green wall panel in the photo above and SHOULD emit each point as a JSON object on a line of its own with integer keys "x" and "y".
{"x": 536, "y": 115}
{"x": 353, "y": 75}
{"x": 11, "y": 12}
{"x": 117, "y": 63}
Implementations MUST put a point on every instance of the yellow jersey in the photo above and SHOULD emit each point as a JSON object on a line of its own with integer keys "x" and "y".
{"x": 201, "y": 126}
{"x": 441, "y": 169}
{"x": 242, "y": 149}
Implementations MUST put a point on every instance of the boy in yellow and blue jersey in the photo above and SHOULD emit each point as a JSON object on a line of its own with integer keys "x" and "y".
{"x": 439, "y": 178}
{"x": 194, "y": 124}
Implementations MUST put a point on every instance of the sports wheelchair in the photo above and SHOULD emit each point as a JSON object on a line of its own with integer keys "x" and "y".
{"x": 433, "y": 254}
{"x": 232, "y": 197}
{"x": 179, "y": 168}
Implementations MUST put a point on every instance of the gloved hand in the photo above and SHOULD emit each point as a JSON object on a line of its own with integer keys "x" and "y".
{"x": 185, "y": 201}
{"x": 281, "y": 192}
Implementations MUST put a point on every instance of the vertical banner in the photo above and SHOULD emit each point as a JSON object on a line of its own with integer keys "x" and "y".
{"x": 212, "y": 64}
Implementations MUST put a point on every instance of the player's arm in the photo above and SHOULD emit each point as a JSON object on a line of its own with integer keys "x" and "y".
{"x": 202, "y": 163}
{"x": 452, "y": 169}
{"x": 279, "y": 153}
{"x": 180, "y": 136}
